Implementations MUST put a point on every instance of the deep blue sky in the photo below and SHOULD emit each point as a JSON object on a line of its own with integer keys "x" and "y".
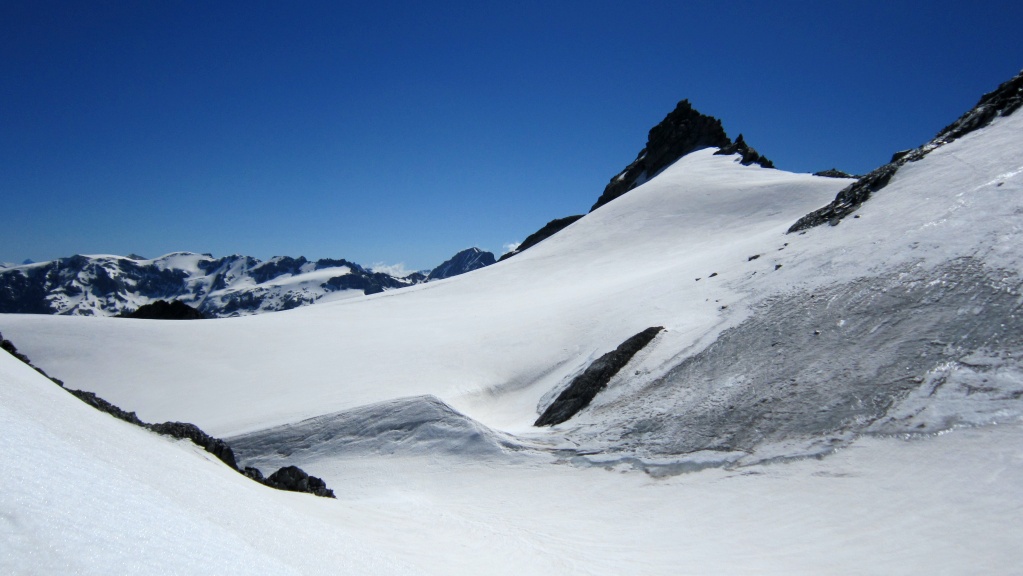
{"x": 403, "y": 132}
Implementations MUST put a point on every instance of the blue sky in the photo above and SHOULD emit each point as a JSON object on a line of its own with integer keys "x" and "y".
{"x": 403, "y": 132}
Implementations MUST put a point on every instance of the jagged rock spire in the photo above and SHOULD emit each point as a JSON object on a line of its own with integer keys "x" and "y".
{"x": 682, "y": 131}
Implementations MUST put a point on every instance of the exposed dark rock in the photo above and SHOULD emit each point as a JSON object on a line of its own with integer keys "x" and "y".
{"x": 276, "y": 267}
{"x": 585, "y": 387}
{"x": 682, "y": 131}
{"x": 368, "y": 282}
{"x": 288, "y": 478}
{"x": 164, "y": 310}
{"x": 834, "y": 173}
{"x": 465, "y": 261}
{"x": 11, "y": 349}
{"x": 183, "y": 430}
{"x": 294, "y": 479}
{"x": 102, "y": 405}
{"x": 749, "y": 155}
{"x": 548, "y": 230}
{"x": 1005, "y": 100}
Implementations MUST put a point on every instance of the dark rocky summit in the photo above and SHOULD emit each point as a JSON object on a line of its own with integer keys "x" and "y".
{"x": 289, "y": 478}
{"x": 585, "y": 387}
{"x": 465, "y": 261}
{"x": 1003, "y": 101}
{"x": 682, "y": 131}
{"x": 549, "y": 229}
{"x": 164, "y": 310}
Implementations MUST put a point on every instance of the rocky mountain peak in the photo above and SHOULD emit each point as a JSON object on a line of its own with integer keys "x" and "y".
{"x": 682, "y": 131}
{"x": 465, "y": 261}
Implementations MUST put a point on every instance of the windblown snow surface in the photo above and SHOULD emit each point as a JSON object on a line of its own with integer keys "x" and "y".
{"x": 843, "y": 401}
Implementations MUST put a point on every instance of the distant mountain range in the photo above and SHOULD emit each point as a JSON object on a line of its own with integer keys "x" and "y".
{"x": 217, "y": 287}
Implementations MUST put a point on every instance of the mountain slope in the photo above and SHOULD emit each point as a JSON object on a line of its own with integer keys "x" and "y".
{"x": 701, "y": 250}
{"x": 85, "y": 493}
{"x": 905, "y": 321}
{"x": 573, "y": 297}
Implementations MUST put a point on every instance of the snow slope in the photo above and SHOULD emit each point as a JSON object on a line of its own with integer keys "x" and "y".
{"x": 84, "y": 493}
{"x": 903, "y": 321}
{"x": 490, "y": 344}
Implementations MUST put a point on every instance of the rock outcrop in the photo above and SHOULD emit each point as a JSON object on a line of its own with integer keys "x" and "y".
{"x": 1004, "y": 100}
{"x": 585, "y": 387}
{"x": 548, "y": 230}
{"x": 289, "y": 478}
{"x": 834, "y": 173}
{"x": 164, "y": 310}
{"x": 682, "y": 131}
{"x": 749, "y": 155}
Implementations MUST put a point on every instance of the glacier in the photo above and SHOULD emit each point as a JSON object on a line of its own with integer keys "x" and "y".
{"x": 840, "y": 399}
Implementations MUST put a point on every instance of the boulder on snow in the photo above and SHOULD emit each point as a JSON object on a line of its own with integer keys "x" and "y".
{"x": 294, "y": 479}
{"x": 834, "y": 173}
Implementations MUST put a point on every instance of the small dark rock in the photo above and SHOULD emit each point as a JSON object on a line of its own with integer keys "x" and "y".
{"x": 294, "y": 479}
{"x": 834, "y": 173}
{"x": 749, "y": 155}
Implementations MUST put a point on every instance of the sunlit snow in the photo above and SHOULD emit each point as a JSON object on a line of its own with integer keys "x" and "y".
{"x": 454, "y": 373}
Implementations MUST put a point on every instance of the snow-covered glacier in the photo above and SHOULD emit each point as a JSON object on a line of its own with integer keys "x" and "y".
{"x": 842, "y": 398}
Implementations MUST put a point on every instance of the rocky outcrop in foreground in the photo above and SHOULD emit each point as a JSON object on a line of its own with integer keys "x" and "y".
{"x": 289, "y": 478}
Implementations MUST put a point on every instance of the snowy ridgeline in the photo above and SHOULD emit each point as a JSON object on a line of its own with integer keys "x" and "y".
{"x": 216, "y": 287}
